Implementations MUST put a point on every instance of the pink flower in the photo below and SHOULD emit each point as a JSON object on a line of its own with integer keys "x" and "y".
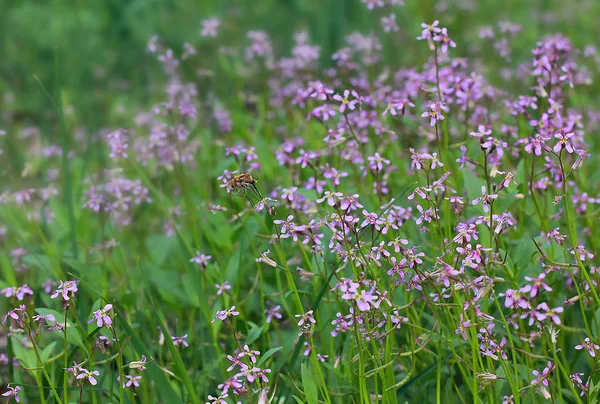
{"x": 346, "y": 102}
{"x": 209, "y": 27}
{"x": 101, "y": 316}
{"x": 225, "y": 314}
{"x": 180, "y": 340}
{"x": 331, "y": 197}
{"x": 485, "y": 199}
{"x": 581, "y": 252}
{"x": 429, "y": 30}
{"x": 306, "y": 318}
{"x": 563, "y": 142}
{"x": 218, "y": 400}
{"x": 435, "y": 112}
{"x": 481, "y": 132}
{"x": 89, "y": 376}
{"x": 389, "y": 23}
{"x": 445, "y": 40}
{"x": 66, "y": 289}
{"x": 590, "y": 346}
{"x": 201, "y": 259}
{"x": 13, "y": 392}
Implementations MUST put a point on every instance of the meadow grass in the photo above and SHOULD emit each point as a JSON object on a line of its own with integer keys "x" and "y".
{"x": 299, "y": 201}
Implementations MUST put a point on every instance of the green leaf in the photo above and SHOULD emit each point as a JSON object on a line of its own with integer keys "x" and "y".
{"x": 191, "y": 292}
{"x": 167, "y": 284}
{"x": 163, "y": 387}
{"x": 268, "y": 354}
{"x": 180, "y": 368}
{"x": 40, "y": 261}
{"x": 47, "y": 351}
{"x": 473, "y": 184}
{"x": 73, "y": 336}
{"x": 254, "y": 334}
{"x": 310, "y": 388}
{"x": 26, "y": 357}
{"x": 160, "y": 246}
{"x": 298, "y": 400}
{"x": 77, "y": 265}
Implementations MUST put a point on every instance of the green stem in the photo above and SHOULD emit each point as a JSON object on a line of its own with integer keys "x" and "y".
{"x": 41, "y": 365}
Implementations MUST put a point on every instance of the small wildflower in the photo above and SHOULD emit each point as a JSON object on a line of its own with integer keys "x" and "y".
{"x": 225, "y": 314}
{"x": 272, "y": 311}
{"x": 180, "y": 340}
{"x": 563, "y": 142}
{"x": 209, "y": 27}
{"x": 445, "y": 40}
{"x": 201, "y": 259}
{"x": 87, "y": 375}
{"x": 139, "y": 365}
{"x": 590, "y": 346}
{"x": 485, "y": 198}
{"x": 264, "y": 258}
{"x": 66, "y": 289}
{"x": 13, "y": 392}
{"x": 217, "y": 400}
{"x": 345, "y": 102}
{"x": 223, "y": 288}
{"x": 434, "y": 113}
{"x": 101, "y": 316}
{"x": 131, "y": 381}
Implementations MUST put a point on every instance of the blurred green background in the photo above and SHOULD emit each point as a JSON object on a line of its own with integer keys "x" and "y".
{"x": 100, "y": 45}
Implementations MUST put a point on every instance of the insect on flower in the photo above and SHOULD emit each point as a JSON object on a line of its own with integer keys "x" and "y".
{"x": 247, "y": 184}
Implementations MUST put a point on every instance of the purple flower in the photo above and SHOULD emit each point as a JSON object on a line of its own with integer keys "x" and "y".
{"x": 19, "y": 292}
{"x": 544, "y": 376}
{"x": 330, "y": 197}
{"x": 389, "y": 23}
{"x": 201, "y": 259}
{"x": 87, "y": 375}
{"x": 217, "y": 400}
{"x": 117, "y": 141}
{"x": 445, "y": 40}
{"x": 13, "y": 392}
{"x": 252, "y": 374}
{"x": 364, "y": 300}
{"x": 590, "y": 346}
{"x": 132, "y": 381}
{"x": 249, "y": 353}
{"x": 581, "y": 252}
{"x": 272, "y": 311}
{"x": 346, "y": 102}
{"x": 350, "y": 203}
{"x": 44, "y": 318}
{"x": 231, "y": 383}
{"x": 429, "y": 30}
{"x": 493, "y": 144}
{"x": 435, "y": 112}
{"x": 66, "y": 289}
{"x": 306, "y": 318}
{"x": 209, "y": 27}
{"x": 222, "y": 288}
{"x": 180, "y": 340}
{"x": 485, "y": 199}
{"x": 101, "y": 316}
{"x": 319, "y": 91}
{"x": 225, "y": 314}
{"x": 12, "y": 314}
{"x": 538, "y": 283}
{"x": 376, "y": 162}
{"x": 563, "y": 142}
{"x": 576, "y": 381}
